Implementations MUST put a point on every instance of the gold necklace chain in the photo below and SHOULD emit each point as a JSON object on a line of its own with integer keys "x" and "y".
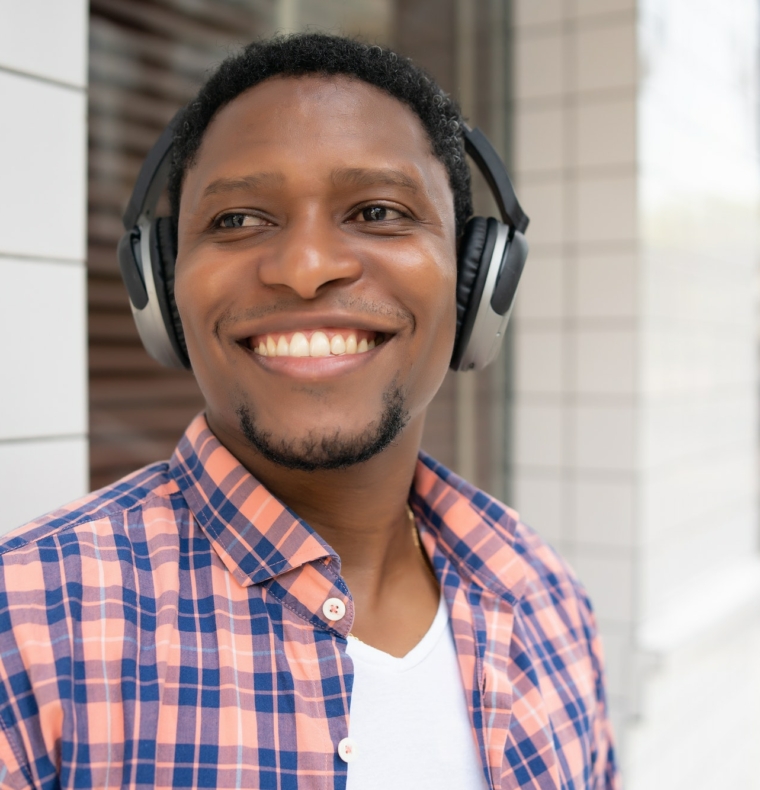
{"x": 415, "y": 531}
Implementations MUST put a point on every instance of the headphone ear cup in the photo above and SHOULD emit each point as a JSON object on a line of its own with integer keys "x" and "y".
{"x": 468, "y": 265}
{"x": 475, "y": 254}
{"x": 163, "y": 259}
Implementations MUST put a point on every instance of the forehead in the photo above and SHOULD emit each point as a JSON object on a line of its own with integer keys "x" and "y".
{"x": 312, "y": 121}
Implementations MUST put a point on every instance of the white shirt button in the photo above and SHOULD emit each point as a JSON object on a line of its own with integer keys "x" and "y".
{"x": 334, "y": 609}
{"x": 347, "y": 750}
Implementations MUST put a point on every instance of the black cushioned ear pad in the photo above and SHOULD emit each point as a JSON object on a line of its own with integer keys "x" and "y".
{"x": 468, "y": 264}
{"x": 164, "y": 248}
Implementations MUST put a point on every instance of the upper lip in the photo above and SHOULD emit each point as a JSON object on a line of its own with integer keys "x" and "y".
{"x": 294, "y": 322}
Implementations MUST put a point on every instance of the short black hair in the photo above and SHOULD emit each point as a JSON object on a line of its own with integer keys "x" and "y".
{"x": 321, "y": 54}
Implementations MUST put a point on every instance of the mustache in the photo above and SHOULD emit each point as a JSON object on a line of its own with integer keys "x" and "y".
{"x": 356, "y": 304}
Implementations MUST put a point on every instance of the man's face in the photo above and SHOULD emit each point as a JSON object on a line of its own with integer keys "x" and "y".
{"x": 316, "y": 270}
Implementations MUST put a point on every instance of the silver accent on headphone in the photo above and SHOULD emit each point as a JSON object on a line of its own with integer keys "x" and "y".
{"x": 489, "y": 327}
{"x": 149, "y": 320}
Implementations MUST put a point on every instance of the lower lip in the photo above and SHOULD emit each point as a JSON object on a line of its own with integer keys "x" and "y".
{"x": 316, "y": 367}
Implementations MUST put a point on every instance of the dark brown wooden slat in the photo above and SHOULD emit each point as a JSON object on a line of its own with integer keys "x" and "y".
{"x": 107, "y": 293}
{"x": 238, "y": 18}
{"x": 150, "y": 419}
{"x": 151, "y": 18}
{"x": 114, "y": 164}
{"x": 150, "y": 80}
{"x": 107, "y": 196}
{"x": 121, "y": 361}
{"x": 178, "y": 57}
{"x": 105, "y": 228}
{"x": 101, "y": 258}
{"x": 112, "y": 326}
{"x": 118, "y": 393}
{"x": 115, "y": 102}
{"x": 111, "y": 133}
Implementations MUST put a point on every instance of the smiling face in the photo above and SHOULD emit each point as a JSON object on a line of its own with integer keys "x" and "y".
{"x": 316, "y": 270}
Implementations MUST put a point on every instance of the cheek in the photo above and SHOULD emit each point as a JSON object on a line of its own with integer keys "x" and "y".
{"x": 199, "y": 292}
{"x": 435, "y": 297}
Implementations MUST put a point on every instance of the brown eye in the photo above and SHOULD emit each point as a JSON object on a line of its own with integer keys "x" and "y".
{"x": 240, "y": 221}
{"x": 379, "y": 214}
{"x": 374, "y": 213}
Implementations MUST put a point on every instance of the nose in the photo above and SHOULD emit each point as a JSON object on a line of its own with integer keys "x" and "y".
{"x": 308, "y": 254}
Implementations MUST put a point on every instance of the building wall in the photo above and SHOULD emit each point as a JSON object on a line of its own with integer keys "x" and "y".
{"x": 635, "y": 415}
{"x": 576, "y": 317}
{"x": 699, "y": 571}
{"x": 43, "y": 360}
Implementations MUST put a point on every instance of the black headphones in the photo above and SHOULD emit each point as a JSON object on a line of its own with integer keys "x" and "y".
{"x": 491, "y": 259}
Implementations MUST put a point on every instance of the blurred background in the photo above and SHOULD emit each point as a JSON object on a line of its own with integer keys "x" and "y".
{"x": 621, "y": 419}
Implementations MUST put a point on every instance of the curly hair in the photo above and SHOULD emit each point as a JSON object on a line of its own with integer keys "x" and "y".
{"x": 317, "y": 53}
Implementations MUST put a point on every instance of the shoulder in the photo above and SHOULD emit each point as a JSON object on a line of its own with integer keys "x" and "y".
{"x": 100, "y": 511}
{"x": 511, "y": 546}
{"x": 552, "y": 589}
{"x": 499, "y": 550}
{"x": 545, "y": 568}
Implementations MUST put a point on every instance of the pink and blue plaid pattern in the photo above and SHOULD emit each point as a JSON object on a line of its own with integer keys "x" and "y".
{"x": 167, "y": 631}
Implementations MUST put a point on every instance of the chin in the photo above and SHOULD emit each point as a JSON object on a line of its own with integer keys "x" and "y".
{"x": 329, "y": 445}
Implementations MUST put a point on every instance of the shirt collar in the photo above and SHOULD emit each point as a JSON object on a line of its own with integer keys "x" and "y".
{"x": 257, "y": 537}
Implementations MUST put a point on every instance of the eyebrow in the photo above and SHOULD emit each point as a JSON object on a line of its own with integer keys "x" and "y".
{"x": 367, "y": 177}
{"x": 346, "y": 176}
{"x": 254, "y": 181}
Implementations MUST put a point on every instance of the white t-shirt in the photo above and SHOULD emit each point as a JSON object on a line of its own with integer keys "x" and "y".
{"x": 409, "y": 725}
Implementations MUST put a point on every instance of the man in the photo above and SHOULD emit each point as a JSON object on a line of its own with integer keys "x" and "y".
{"x": 298, "y": 598}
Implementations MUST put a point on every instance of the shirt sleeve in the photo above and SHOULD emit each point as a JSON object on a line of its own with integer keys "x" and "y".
{"x": 26, "y": 755}
{"x": 606, "y": 775}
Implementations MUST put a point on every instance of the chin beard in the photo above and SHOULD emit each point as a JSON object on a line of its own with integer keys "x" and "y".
{"x": 334, "y": 451}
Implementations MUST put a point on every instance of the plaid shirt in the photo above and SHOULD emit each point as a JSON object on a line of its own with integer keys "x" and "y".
{"x": 167, "y": 631}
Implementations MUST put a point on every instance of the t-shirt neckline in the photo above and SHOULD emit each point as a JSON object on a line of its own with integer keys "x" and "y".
{"x": 366, "y": 654}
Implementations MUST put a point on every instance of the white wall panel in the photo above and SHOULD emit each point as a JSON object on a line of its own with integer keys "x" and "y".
{"x": 537, "y": 12}
{"x": 43, "y": 357}
{"x": 46, "y": 38}
{"x": 606, "y": 57}
{"x": 43, "y": 304}
{"x": 540, "y": 297}
{"x": 538, "y": 436}
{"x": 540, "y": 495}
{"x": 606, "y": 286}
{"x": 43, "y": 164}
{"x": 538, "y": 66}
{"x": 538, "y": 361}
{"x": 38, "y": 476}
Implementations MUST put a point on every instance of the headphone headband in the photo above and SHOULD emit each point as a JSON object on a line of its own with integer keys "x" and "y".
{"x": 152, "y": 176}
{"x": 480, "y": 150}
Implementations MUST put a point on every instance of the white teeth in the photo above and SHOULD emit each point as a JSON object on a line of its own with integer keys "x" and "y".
{"x": 319, "y": 345}
{"x": 299, "y": 345}
{"x": 337, "y": 345}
